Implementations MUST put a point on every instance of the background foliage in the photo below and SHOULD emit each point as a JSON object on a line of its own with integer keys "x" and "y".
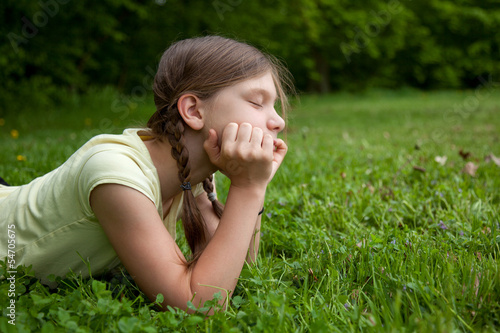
{"x": 50, "y": 48}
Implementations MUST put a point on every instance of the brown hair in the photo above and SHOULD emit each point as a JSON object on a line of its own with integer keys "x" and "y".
{"x": 203, "y": 66}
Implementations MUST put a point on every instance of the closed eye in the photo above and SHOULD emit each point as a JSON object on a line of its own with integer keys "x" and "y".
{"x": 255, "y": 104}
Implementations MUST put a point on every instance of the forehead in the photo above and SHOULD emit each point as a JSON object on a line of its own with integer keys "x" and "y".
{"x": 263, "y": 84}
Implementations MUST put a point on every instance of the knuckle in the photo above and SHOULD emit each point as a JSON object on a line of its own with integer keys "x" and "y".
{"x": 252, "y": 155}
{"x": 241, "y": 154}
{"x": 227, "y": 151}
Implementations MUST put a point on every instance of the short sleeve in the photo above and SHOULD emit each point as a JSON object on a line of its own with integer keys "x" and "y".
{"x": 109, "y": 167}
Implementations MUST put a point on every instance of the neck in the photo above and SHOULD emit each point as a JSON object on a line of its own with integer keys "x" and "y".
{"x": 166, "y": 165}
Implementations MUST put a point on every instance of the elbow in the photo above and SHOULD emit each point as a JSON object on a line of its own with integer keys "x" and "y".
{"x": 195, "y": 296}
{"x": 209, "y": 299}
{"x": 206, "y": 306}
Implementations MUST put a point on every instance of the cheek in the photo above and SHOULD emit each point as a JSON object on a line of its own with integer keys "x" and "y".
{"x": 219, "y": 130}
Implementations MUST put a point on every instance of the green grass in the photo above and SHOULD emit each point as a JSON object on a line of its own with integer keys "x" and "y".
{"x": 364, "y": 230}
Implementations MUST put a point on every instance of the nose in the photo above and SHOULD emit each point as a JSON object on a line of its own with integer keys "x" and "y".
{"x": 276, "y": 123}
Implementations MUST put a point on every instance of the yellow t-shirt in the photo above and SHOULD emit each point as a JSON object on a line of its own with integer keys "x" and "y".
{"x": 55, "y": 227}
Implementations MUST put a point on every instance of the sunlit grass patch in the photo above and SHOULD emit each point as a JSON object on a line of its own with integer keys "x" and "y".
{"x": 373, "y": 222}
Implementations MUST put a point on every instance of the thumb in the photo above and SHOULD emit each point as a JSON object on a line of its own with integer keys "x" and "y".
{"x": 211, "y": 146}
{"x": 278, "y": 155}
{"x": 280, "y": 152}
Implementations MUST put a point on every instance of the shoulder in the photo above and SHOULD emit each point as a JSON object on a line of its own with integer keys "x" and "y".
{"x": 116, "y": 164}
{"x": 114, "y": 160}
{"x": 115, "y": 155}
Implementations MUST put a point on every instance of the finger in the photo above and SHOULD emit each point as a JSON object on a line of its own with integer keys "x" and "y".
{"x": 278, "y": 155}
{"x": 268, "y": 143}
{"x": 229, "y": 133}
{"x": 244, "y": 132}
{"x": 280, "y": 152}
{"x": 257, "y": 137}
{"x": 211, "y": 146}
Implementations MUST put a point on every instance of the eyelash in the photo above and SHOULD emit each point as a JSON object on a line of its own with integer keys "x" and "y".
{"x": 256, "y": 104}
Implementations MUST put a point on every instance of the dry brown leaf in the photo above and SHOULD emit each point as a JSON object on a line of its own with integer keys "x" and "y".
{"x": 355, "y": 294}
{"x": 312, "y": 274}
{"x": 343, "y": 175}
{"x": 470, "y": 169}
{"x": 493, "y": 158}
{"x": 486, "y": 230}
{"x": 418, "y": 168}
{"x": 370, "y": 318}
{"x": 475, "y": 287}
{"x": 441, "y": 159}
{"x": 463, "y": 154}
{"x": 476, "y": 283}
{"x": 362, "y": 243}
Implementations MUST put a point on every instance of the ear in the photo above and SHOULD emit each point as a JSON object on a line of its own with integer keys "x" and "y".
{"x": 191, "y": 110}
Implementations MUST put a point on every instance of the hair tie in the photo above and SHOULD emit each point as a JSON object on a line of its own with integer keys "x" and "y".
{"x": 212, "y": 196}
{"x": 186, "y": 186}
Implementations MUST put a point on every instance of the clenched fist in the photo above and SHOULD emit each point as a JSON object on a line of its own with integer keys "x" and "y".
{"x": 246, "y": 155}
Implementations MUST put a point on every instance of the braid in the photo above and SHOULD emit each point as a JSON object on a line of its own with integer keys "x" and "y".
{"x": 192, "y": 219}
{"x": 174, "y": 130}
{"x": 208, "y": 186}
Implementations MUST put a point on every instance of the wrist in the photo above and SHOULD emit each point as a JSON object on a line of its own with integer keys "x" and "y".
{"x": 252, "y": 196}
{"x": 251, "y": 189}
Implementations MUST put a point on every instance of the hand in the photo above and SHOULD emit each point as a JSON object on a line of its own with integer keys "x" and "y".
{"x": 280, "y": 150}
{"x": 246, "y": 156}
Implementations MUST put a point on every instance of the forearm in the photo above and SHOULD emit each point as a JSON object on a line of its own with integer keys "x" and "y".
{"x": 253, "y": 249}
{"x": 211, "y": 226}
{"x": 222, "y": 260}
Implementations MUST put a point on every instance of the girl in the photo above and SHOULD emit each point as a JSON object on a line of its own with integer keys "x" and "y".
{"x": 117, "y": 199}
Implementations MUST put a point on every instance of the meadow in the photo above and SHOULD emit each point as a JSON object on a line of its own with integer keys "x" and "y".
{"x": 383, "y": 218}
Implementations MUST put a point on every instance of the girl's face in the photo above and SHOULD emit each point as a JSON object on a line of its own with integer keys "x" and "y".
{"x": 250, "y": 101}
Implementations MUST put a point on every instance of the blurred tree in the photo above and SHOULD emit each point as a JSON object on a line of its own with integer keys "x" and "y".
{"x": 54, "y": 46}
{"x": 454, "y": 43}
